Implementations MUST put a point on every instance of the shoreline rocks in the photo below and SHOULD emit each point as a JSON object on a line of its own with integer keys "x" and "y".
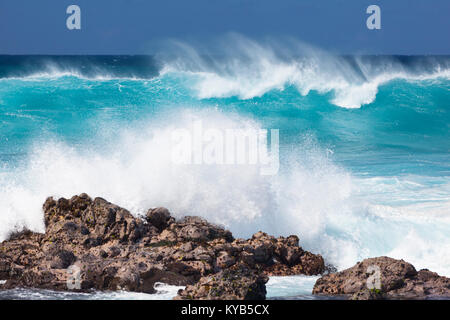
{"x": 92, "y": 244}
{"x": 384, "y": 278}
{"x": 237, "y": 283}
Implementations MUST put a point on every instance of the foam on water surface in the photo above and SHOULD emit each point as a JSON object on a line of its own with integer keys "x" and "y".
{"x": 164, "y": 292}
{"x": 364, "y": 146}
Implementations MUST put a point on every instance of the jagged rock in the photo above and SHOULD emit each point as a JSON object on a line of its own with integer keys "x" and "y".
{"x": 397, "y": 279}
{"x": 62, "y": 259}
{"x": 225, "y": 260}
{"x": 278, "y": 256}
{"x": 368, "y": 295}
{"x": 237, "y": 283}
{"x": 110, "y": 249}
{"x": 159, "y": 217}
{"x": 312, "y": 264}
{"x": 113, "y": 250}
{"x": 197, "y": 229}
{"x": 166, "y": 236}
{"x": 91, "y": 222}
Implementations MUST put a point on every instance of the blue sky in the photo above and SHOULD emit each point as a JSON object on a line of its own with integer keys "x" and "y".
{"x": 134, "y": 26}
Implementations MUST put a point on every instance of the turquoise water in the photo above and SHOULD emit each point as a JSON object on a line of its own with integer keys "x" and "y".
{"x": 407, "y": 118}
{"x": 364, "y": 145}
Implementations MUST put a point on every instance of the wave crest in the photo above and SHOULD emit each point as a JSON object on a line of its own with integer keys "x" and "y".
{"x": 311, "y": 196}
{"x": 238, "y": 66}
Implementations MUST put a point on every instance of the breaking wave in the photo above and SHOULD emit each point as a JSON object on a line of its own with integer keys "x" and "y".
{"x": 353, "y": 182}
{"x": 249, "y": 69}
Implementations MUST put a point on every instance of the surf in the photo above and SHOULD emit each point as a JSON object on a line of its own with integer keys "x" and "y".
{"x": 249, "y": 69}
{"x": 364, "y": 143}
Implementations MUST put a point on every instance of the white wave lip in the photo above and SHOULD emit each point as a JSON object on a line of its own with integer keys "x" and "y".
{"x": 332, "y": 212}
{"x": 254, "y": 69}
{"x": 245, "y": 68}
{"x": 163, "y": 292}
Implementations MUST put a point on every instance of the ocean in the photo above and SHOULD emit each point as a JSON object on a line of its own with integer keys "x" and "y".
{"x": 364, "y": 145}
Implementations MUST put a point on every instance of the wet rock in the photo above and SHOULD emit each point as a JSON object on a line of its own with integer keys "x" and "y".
{"x": 225, "y": 260}
{"x": 80, "y": 217}
{"x": 62, "y": 259}
{"x": 93, "y": 244}
{"x": 385, "y": 278}
{"x": 312, "y": 264}
{"x": 279, "y": 256}
{"x": 237, "y": 283}
{"x": 290, "y": 255}
{"x": 159, "y": 217}
{"x": 199, "y": 230}
{"x": 369, "y": 295}
{"x": 167, "y": 236}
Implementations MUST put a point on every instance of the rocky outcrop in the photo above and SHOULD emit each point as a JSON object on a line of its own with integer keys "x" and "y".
{"x": 236, "y": 283}
{"x": 384, "y": 278}
{"x": 94, "y": 244}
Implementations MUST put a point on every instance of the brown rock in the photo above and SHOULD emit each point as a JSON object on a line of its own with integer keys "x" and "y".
{"x": 113, "y": 250}
{"x": 398, "y": 279}
{"x": 237, "y": 283}
{"x": 225, "y": 260}
{"x": 197, "y": 229}
{"x": 159, "y": 217}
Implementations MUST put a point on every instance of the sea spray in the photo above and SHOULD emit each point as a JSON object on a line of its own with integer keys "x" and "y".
{"x": 352, "y": 183}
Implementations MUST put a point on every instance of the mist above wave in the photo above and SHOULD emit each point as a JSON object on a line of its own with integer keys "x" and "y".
{"x": 343, "y": 217}
{"x": 235, "y": 65}
{"x": 238, "y": 66}
{"x": 311, "y": 196}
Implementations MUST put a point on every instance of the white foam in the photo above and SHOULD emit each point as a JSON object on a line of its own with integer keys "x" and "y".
{"x": 322, "y": 203}
{"x": 163, "y": 292}
{"x": 290, "y": 286}
{"x": 255, "y": 68}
